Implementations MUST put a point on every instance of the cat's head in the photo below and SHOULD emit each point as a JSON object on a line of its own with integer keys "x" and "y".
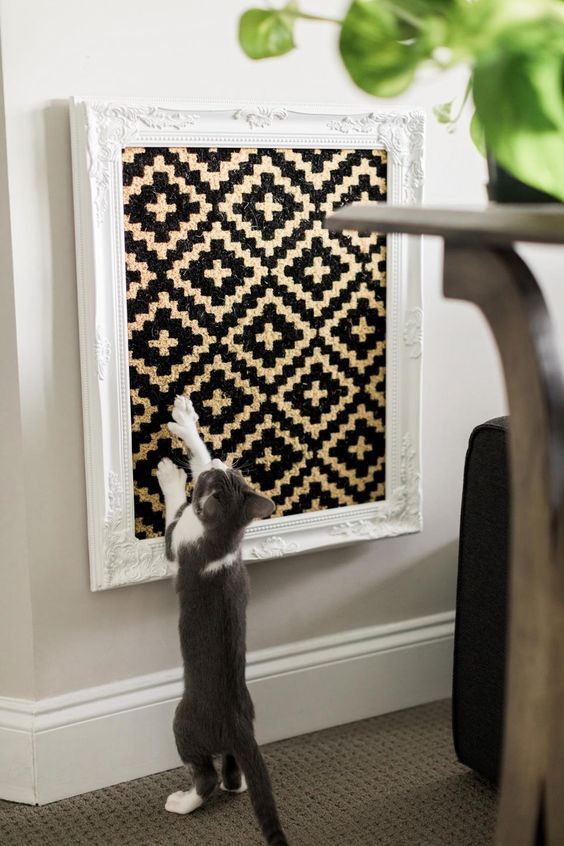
{"x": 222, "y": 498}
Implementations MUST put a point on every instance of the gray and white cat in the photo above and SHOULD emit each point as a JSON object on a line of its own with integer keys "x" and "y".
{"x": 215, "y": 715}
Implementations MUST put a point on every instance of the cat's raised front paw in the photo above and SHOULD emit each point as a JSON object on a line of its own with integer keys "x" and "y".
{"x": 169, "y": 475}
{"x": 183, "y": 802}
{"x": 183, "y": 411}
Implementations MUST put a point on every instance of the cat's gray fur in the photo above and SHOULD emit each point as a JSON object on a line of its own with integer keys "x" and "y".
{"x": 215, "y": 715}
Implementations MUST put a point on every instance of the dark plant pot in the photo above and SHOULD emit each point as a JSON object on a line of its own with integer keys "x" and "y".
{"x": 505, "y": 188}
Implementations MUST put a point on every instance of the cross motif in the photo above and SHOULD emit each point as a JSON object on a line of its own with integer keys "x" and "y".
{"x": 269, "y": 336}
{"x": 317, "y": 270}
{"x": 362, "y": 328}
{"x": 164, "y": 342}
{"x": 218, "y": 401}
{"x": 269, "y": 206}
{"x": 217, "y": 273}
{"x": 360, "y": 448}
{"x": 316, "y": 392}
{"x": 161, "y": 207}
{"x": 268, "y": 458}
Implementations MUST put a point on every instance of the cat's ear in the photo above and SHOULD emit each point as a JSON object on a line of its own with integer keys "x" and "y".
{"x": 258, "y": 506}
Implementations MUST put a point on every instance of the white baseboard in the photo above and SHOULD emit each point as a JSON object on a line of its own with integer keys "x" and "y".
{"x": 99, "y": 736}
{"x": 17, "y": 765}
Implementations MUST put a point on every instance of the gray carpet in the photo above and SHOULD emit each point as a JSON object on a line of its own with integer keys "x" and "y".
{"x": 391, "y": 780}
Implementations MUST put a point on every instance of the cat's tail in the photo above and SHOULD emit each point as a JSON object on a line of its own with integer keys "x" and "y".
{"x": 250, "y": 760}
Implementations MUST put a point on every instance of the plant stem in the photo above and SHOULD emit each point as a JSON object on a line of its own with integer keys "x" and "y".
{"x": 403, "y": 14}
{"x": 467, "y": 91}
{"x": 307, "y": 17}
{"x": 292, "y": 8}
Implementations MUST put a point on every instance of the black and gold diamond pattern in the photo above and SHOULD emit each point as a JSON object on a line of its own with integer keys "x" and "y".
{"x": 238, "y": 296}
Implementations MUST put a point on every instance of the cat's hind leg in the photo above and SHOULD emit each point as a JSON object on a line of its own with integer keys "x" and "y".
{"x": 233, "y": 780}
{"x": 205, "y": 782}
{"x": 195, "y": 756}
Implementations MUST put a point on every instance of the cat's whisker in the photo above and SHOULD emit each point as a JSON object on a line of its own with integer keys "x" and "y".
{"x": 183, "y": 463}
{"x": 242, "y": 464}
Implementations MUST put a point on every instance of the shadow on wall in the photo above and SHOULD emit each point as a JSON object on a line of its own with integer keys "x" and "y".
{"x": 346, "y": 588}
{"x": 60, "y": 439}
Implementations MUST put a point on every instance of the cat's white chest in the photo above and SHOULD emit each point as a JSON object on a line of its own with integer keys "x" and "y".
{"x": 188, "y": 529}
{"x": 220, "y": 564}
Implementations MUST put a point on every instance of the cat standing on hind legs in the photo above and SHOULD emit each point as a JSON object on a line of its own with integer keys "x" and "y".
{"x": 215, "y": 715}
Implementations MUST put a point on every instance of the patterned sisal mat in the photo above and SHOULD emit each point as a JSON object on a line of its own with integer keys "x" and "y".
{"x": 237, "y": 295}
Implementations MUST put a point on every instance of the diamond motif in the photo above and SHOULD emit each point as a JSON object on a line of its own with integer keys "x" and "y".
{"x": 267, "y": 207}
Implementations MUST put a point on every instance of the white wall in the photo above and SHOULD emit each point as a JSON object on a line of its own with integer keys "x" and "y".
{"x": 182, "y": 49}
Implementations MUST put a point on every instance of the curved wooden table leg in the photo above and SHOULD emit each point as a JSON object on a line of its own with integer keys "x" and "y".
{"x": 532, "y": 784}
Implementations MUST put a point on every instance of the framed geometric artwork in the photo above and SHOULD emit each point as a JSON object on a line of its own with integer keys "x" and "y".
{"x": 205, "y": 269}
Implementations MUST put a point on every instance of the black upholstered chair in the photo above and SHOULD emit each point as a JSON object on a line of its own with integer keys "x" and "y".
{"x": 480, "y": 636}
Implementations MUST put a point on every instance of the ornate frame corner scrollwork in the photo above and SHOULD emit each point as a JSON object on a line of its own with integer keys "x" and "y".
{"x": 402, "y": 510}
{"x": 128, "y": 560}
{"x": 403, "y": 136}
{"x": 109, "y": 126}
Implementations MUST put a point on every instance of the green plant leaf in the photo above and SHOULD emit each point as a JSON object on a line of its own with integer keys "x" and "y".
{"x": 264, "y": 33}
{"x": 373, "y": 53}
{"x": 519, "y": 103}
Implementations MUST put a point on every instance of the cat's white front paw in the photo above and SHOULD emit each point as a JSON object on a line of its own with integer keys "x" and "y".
{"x": 170, "y": 476}
{"x": 183, "y": 411}
{"x": 183, "y": 802}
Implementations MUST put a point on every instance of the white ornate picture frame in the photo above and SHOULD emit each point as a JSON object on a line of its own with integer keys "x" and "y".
{"x": 100, "y": 130}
